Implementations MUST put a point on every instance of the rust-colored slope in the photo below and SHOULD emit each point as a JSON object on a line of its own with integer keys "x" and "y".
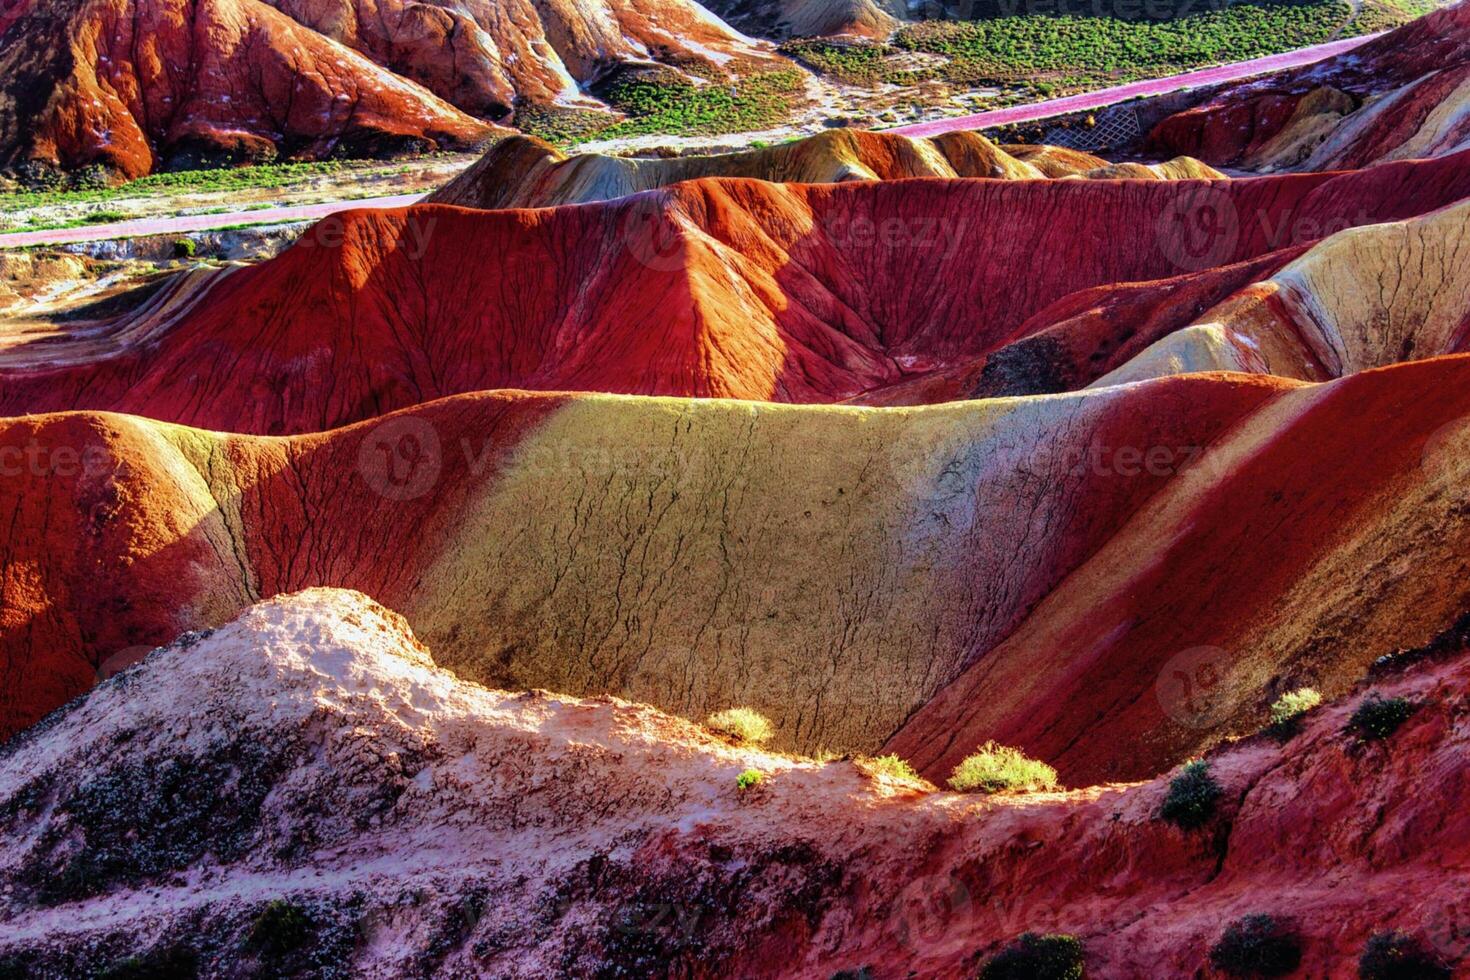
{"x": 509, "y": 515}
{"x": 1404, "y": 95}
{"x": 488, "y": 56}
{"x": 139, "y": 85}
{"x": 1307, "y": 529}
{"x": 132, "y": 85}
{"x": 524, "y": 172}
{"x": 311, "y": 753}
{"x": 740, "y": 289}
{"x": 1053, "y": 554}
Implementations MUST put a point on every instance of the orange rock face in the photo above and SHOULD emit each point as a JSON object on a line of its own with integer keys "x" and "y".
{"x": 136, "y": 85}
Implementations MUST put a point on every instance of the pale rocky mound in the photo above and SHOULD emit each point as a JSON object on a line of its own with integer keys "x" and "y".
{"x": 1362, "y": 298}
{"x": 525, "y": 172}
{"x": 813, "y": 18}
{"x": 303, "y": 791}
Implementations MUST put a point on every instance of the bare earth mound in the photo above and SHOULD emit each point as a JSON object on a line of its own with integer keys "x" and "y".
{"x": 304, "y": 790}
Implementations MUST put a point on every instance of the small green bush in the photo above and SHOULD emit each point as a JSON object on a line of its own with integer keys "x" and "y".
{"x": 749, "y": 778}
{"x": 1287, "y": 712}
{"x": 1294, "y": 704}
{"x": 1036, "y": 957}
{"x": 894, "y": 767}
{"x": 1001, "y": 769}
{"x": 281, "y": 928}
{"x": 1192, "y": 796}
{"x": 1257, "y": 946}
{"x": 743, "y": 725}
{"x": 1396, "y": 955}
{"x": 185, "y": 248}
{"x": 1378, "y": 717}
{"x": 173, "y": 963}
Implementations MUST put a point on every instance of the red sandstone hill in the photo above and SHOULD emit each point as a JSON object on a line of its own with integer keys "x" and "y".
{"x": 1401, "y": 96}
{"x": 135, "y": 85}
{"x": 745, "y": 289}
{"x": 305, "y": 787}
{"x": 1029, "y": 570}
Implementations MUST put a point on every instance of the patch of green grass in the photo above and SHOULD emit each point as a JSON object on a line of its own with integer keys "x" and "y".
{"x": 1287, "y": 712}
{"x": 1192, "y": 796}
{"x": 1001, "y": 769}
{"x": 260, "y": 177}
{"x": 1257, "y": 946}
{"x": 1294, "y": 704}
{"x": 175, "y": 963}
{"x": 1007, "y": 47}
{"x": 282, "y": 927}
{"x": 1378, "y": 717}
{"x": 748, "y": 779}
{"x": 743, "y": 725}
{"x": 1036, "y": 957}
{"x": 669, "y": 104}
{"x": 893, "y": 767}
{"x": 854, "y": 62}
{"x": 1396, "y": 955}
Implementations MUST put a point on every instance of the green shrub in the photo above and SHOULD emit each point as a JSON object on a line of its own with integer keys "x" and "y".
{"x": 893, "y": 767}
{"x": 1257, "y": 946}
{"x": 282, "y": 927}
{"x": 1287, "y": 712}
{"x": 1192, "y": 796}
{"x": 742, "y": 725}
{"x": 749, "y": 778}
{"x": 1395, "y": 955}
{"x": 1293, "y": 704}
{"x": 1001, "y": 769}
{"x": 173, "y": 963}
{"x": 1378, "y": 717}
{"x": 185, "y": 248}
{"x": 1036, "y": 957}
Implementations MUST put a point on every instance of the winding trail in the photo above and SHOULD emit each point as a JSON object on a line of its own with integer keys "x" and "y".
{"x": 998, "y": 117}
